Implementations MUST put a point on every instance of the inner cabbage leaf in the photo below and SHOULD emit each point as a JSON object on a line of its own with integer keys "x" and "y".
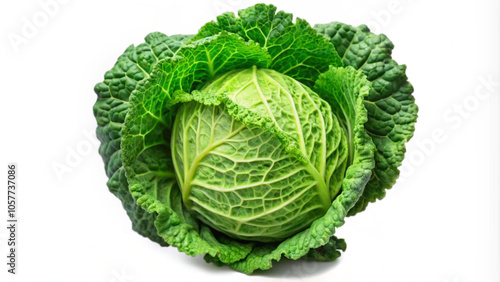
{"x": 241, "y": 179}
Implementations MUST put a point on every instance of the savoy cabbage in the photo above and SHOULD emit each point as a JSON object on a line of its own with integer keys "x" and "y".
{"x": 254, "y": 138}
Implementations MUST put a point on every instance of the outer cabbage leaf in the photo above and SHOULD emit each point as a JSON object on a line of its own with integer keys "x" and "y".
{"x": 146, "y": 139}
{"x": 111, "y": 107}
{"x": 392, "y": 111}
{"x": 296, "y": 49}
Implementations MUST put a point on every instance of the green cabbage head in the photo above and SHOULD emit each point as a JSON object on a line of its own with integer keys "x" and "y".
{"x": 255, "y": 138}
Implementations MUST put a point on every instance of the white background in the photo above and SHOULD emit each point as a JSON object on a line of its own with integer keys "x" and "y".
{"x": 439, "y": 223}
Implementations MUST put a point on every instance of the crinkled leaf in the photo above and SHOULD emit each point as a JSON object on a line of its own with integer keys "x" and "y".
{"x": 392, "y": 111}
{"x": 227, "y": 169}
{"x": 296, "y": 49}
{"x": 328, "y": 252}
{"x": 340, "y": 87}
{"x": 111, "y": 107}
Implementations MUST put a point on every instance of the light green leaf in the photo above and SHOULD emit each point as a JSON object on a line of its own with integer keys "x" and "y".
{"x": 341, "y": 87}
{"x": 296, "y": 110}
{"x": 237, "y": 175}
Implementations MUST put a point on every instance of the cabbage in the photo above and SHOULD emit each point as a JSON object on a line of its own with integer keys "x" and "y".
{"x": 255, "y": 138}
